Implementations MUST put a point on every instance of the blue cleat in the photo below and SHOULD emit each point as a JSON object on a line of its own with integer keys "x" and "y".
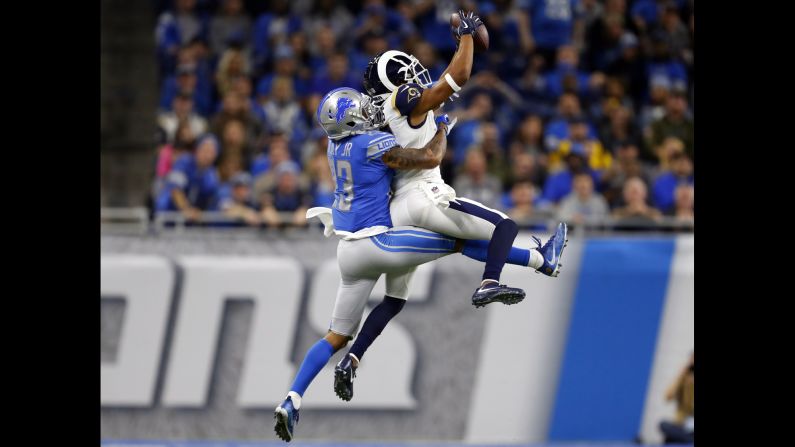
{"x": 492, "y": 292}
{"x": 552, "y": 251}
{"x": 286, "y": 419}
{"x": 344, "y": 373}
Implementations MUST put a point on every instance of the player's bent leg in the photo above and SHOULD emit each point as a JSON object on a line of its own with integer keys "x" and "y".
{"x": 286, "y": 414}
{"x": 352, "y": 295}
{"x": 374, "y": 324}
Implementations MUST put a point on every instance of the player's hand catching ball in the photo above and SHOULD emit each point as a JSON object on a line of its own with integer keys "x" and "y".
{"x": 468, "y": 23}
{"x": 444, "y": 119}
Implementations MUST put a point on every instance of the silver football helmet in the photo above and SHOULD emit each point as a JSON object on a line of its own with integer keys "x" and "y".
{"x": 345, "y": 111}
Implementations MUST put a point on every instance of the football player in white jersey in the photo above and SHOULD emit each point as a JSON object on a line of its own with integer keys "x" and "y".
{"x": 421, "y": 197}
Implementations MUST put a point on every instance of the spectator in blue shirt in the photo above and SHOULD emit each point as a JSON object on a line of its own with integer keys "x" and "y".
{"x": 378, "y": 18}
{"x": 287, "y": 195}
{"x": 185, "y": 82}
{"x": 192, "y": 184}
{"x": 286, "y": 65}
{"x": 566, "y": 76}
{"x": 559, "y": 184}
{"x": 557, "y": 129}
{"x": 271, "y": 29}
{"x": 552, "y": 25}
{"x": 176, "y": 28}
{"x": 235, "y": 201}
{"x": 337, "y": 74}
{"x": 664, "y": 187}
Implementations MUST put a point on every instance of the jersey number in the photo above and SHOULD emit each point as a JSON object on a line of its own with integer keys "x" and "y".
{"x": 345, "y": 198}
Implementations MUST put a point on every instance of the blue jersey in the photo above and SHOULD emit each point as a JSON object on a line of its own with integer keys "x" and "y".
{"x": 199, "y": 185}
{"x": 362, "y": 181}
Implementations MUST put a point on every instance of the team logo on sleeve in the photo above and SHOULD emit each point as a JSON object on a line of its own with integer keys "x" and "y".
{"x": 343, "y": 104}
{"x": 412, "y": 93}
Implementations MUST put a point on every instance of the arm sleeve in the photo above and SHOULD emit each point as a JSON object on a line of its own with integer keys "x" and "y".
{"x": 406, "y": 98}
{"x": 379, "y": 144}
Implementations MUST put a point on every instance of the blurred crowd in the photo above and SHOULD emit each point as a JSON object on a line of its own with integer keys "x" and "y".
{"x": 579, "y": 110}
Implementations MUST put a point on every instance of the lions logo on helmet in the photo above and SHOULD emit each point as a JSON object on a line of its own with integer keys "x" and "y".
{"x": 391, "y": 69}
{"x": 345, "y": 111}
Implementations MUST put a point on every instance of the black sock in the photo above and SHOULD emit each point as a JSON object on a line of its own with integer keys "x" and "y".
{"x": 375, "y": 323}
{"x": 500, "y": 245}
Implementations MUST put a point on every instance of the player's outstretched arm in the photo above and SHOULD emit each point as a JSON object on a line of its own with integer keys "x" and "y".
{"x": 455, "y": 75}
{"x": 427, "y": 157}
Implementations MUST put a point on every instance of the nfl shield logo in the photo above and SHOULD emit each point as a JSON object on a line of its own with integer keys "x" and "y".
{"x": 435, "y": 189}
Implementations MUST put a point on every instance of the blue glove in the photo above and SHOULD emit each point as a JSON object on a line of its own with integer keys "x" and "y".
{"x": 447, "y": 121}
{"x": 469, "y": 22}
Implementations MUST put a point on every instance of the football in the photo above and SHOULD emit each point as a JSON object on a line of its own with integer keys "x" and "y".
{"x": 481, "y": 36}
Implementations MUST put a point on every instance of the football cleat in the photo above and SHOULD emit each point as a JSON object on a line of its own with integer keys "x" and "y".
{"x": 344, "y": 373}
{"x": 493, "y": 292}
{"x": 286, "y": 416}
{"x": 552, "y": 251}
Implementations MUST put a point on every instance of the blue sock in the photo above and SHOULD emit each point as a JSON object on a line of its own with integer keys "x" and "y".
{"x": 314, "y": 361}
{"x": 375, "y": 323}
{"x": 477, "y": 251}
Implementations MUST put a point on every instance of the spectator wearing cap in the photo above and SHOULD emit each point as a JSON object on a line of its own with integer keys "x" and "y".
{"x": 675, "y": 123}
{"x": 627, "y": 164}
{"x": 323, "y": 44}
{"x": 181, "y": 112}
{"x": 476, "y": 183}
{"x": 288, "y": 195}
{"x": 230, "y": 24}
{"x": 583, "y": 204}
{"x": 636, "y": 208}
{"x": 235, "y": 200}
{"x": 192, "y": 184}
{"x": 185, "y": 82}
{"x": 663, "y": 191}
{"x": 579, "y": 142}
{"x": 559, "y": 184}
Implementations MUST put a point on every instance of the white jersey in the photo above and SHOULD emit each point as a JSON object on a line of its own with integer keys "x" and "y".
{"x": 408, "y": 136}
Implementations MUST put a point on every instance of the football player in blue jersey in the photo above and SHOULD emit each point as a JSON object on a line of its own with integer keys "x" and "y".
{"x": 363, "y": 162}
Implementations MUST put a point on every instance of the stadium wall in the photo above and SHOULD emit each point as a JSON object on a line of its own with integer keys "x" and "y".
{"x": 201, "y": 336}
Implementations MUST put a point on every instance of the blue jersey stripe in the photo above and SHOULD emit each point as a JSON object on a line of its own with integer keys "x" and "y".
{"x": 413, "y": 244}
